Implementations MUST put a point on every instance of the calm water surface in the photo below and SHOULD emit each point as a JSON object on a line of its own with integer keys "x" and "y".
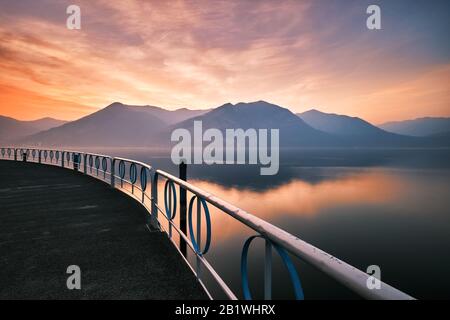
{"x": 393, "y": 215}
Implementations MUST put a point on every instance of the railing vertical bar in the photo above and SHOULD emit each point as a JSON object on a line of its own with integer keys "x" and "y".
{"x": 268, "y": 271}
{"x": 183, "y": 208}
{"x": 199, "y": 234}
{"x": 170, "y": 210}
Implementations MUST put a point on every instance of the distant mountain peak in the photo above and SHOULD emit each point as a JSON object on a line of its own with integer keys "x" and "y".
{"x": 313, "y": 111}
{"x": 328, "y": 114}
{"x": 115, "y": 104}
{"x": 226, "y": 105}
{"x": 258, "y": 103}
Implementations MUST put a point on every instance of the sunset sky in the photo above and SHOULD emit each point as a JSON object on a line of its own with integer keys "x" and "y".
{"x": 202, "y": 54}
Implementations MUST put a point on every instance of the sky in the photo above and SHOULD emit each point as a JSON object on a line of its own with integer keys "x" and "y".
{"x": 202, "y": 54}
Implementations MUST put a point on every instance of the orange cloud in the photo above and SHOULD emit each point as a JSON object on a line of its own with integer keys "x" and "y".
{"x": 29, "y": 105}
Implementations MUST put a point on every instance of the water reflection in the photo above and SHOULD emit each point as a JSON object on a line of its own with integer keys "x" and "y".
{"x": 391, "y": 210}
{"x": 300, "y": 198}
{"x": 364, "y": 215}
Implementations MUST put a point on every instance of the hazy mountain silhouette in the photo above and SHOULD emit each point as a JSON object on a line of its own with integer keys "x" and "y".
{"x": 355, "y": 131}
{"x": 169, "y": 116}
{"x": 420, "y": 127}
{"x": 115, "y": 125}
{"x": 294, "y": 131}
{"x": 13, "y": 129}
{"x": 440, "y": 139}
{"x": 120, "y": 125}
{"x": 338, "y": 124}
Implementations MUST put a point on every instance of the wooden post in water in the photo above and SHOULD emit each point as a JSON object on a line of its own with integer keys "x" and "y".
{"x": 183, "y": 208}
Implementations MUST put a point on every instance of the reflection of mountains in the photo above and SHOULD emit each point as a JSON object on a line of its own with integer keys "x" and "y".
{"x": 316, "y": 166}
{"x": 309, "y": 165}
{"x": 145, "y": 126}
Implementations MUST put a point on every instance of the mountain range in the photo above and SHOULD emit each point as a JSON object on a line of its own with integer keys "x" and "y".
{"x": 12, "y": 129}
{"x": 262, "y": 115}
{"x": 358, "y": 132}
{"x": 128, "y": 125}
{"x": 420, "y": 127}
{"x": 115, "y": 125}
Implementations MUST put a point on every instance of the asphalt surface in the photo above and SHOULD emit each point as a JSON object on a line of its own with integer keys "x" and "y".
{"x": 51, "y": 218}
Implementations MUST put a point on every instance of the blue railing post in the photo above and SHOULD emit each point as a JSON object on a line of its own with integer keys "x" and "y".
{"x": 15, "y": 154}
{"x": 63, "y": 155}
{"x": 183, "y": 208}
{"x": 199, "y": 236}
{"x": 268, "y": 271}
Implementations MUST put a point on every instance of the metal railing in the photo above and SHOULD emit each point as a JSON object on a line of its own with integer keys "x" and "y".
{"x": 135, "y": 179}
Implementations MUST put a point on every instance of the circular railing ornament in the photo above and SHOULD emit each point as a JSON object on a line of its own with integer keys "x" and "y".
{"x": 9, "y": 152}
{"x": 143, "y": 179}
{"x": 57, "y": 155}
{"x": 68, "y": 156}
{"x": 208, "y": 226}
{"x": 170, "y": 196}
{"x": 122, "y": 169}
{"x": 104, "y": 166}
{"x": 3, "y": 151}
{"x": 97, "y": 163}
{"x": 298, "y": 290}
{"x": 51, "y": 156}
{"x": 133, "y": 173}
{"x": 45, "y": 154}
{"x": 33, "y": 153}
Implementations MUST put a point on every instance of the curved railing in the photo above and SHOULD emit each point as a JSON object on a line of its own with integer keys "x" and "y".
{"x": 136, "y": 179}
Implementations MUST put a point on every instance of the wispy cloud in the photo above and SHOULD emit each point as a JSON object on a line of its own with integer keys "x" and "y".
{"x": 299, "y": 54}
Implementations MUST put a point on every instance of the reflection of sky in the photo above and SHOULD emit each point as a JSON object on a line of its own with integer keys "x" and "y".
{"x": 380, "y": 216}
{"x": 299, "y": 54}
{"x": 354, "y": 189}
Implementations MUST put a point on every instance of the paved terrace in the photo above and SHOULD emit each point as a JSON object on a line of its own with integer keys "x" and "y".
{"x": 52, "y": 217}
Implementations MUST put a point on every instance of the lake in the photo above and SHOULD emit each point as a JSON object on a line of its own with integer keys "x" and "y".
{"x": 389, "y": 208}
